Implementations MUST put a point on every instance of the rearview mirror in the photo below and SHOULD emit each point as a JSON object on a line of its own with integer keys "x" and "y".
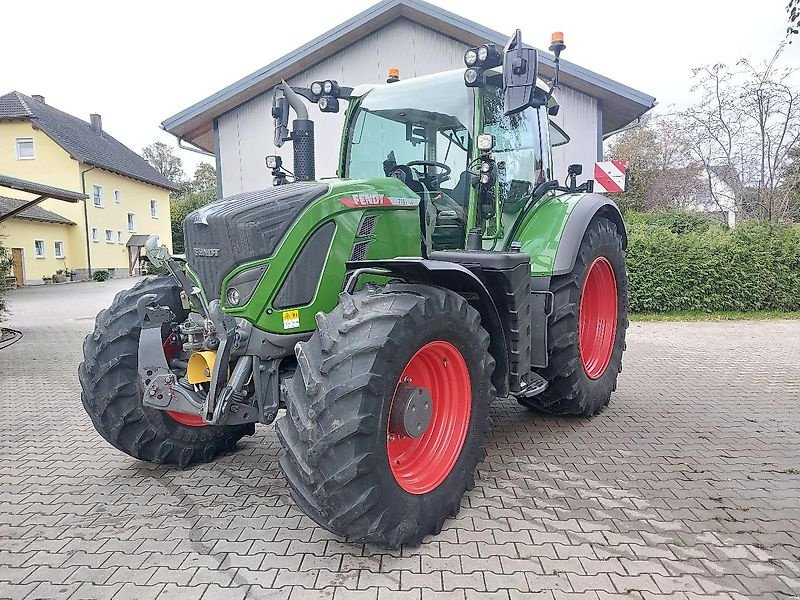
{"x": 520, "y": 69}
{"x": 280, "y": 114}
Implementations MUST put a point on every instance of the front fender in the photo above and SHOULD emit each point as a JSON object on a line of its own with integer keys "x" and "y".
{"x": 552, "y": 231}
{"x": 457, "y": 278}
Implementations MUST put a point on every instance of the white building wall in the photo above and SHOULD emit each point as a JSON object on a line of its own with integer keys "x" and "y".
{"x": 246, "y": 133}
{"x": 578, "y": 116}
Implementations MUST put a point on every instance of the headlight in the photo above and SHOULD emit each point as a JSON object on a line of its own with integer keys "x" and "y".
{"x": 485, "y": 179}
{"x": 485, "y": 142}
{"x": 483, "y": 53}
{"x": 242, "y": 285}
{"x": 327, "y": 87}
{"x": 470, "y": 57}
{"x": 316, "y": 88}
{"x": 274, "y": 162}
{"x": 486, "y": 167}
{"x": 329, "y": 104}
{"x": 233, "y": 297}
{"x": 474, "y": 77}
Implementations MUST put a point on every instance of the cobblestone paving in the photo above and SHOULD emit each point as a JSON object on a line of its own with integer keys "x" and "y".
{"x": 686, "y": 486}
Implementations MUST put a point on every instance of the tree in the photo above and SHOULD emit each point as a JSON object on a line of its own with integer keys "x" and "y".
{"x": 195, "y": 193}
{"x": 793, "y": 9}
{"x": 205, "y": 178}
{"x": 655, "y": 148}
{"x": 165, "y": 161}
{"x": 747, "y": 122}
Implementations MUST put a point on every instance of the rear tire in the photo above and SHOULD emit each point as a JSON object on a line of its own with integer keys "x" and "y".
{"x": 336, "y": 436}
{"x": 112, "y": 394}
{"x": 582, "y": 379}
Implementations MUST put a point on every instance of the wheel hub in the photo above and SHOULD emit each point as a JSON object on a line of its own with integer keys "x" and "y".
{"x": 436, "y": 375}
{"x": 412, "y": 409}
{"x": 597, "y": 323}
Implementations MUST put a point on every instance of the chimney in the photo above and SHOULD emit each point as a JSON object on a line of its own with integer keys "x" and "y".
{"x": 97, "y": 122}
{"x": 38, "y": 98}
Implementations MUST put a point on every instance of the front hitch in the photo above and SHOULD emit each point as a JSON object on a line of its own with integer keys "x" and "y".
{"x": 162, "y": 390}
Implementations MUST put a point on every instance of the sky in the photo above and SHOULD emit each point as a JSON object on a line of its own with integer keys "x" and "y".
{"x": 137, "y": 63}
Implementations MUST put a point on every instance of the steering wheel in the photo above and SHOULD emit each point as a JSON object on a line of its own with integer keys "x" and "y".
{"x": 438, "y": 178}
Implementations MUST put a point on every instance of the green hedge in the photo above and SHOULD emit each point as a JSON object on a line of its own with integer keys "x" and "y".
{"x": 704, "y": 267}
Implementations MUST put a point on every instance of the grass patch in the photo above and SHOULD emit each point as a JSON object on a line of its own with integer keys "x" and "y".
{"x": 758, "y": 315}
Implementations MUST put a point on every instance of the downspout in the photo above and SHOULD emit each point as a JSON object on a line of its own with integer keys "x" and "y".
{"x": 86, "y": 221}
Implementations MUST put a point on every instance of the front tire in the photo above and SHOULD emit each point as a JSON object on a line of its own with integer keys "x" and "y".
{"x": 586, "y": 330}
{"x": 346, "y": 468}
{"x": 112, "y": 394}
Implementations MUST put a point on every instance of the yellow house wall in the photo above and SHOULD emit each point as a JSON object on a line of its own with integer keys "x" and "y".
{"x": 135, "y": 198}
{"x": 52, "y": 165}
{"x": 17, "y": 233}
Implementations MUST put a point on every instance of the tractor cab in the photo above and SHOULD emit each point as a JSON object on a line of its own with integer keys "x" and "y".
{"x": 424, "y": 131}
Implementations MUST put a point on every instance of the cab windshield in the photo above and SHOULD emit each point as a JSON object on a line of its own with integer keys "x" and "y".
{"x": 419, "y": 131}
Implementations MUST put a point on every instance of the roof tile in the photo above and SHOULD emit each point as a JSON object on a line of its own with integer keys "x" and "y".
{"x": 76, "y": 136}
{"x": 34, "y": 213}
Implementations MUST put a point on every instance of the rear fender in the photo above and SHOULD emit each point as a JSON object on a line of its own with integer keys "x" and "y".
{"x": 587, "y": 208}
{"x": 552, "y": 231}
{"x": 454, "y": 277}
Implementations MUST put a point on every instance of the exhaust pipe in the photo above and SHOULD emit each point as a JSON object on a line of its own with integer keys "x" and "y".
{"x": 302, "y": 136}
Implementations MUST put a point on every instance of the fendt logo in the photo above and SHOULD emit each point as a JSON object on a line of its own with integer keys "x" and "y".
{"x": 206, "y": 251}
{"x": 368, "y": 199}
{"x": 371, "y": 199}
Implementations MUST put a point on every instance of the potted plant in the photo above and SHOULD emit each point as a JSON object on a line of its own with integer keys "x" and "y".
{"x": 47, "y": 279}
{"x": 59, "y": 277}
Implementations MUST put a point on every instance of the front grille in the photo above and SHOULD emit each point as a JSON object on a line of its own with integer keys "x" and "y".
{"x": 359, "y": 251}
{"x": 367, "y": 226}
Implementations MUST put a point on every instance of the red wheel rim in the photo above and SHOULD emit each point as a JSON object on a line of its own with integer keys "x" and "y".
{"x": 597, "y": 323}
{"x": 421, "y": 464}
{"x": 171, "y": 347}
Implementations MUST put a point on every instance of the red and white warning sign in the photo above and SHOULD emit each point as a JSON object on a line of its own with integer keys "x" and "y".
{"x": 610, "y": 176}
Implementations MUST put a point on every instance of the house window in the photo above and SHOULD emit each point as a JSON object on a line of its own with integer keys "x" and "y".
{"x": 25, "y": 149}
{"x": 97, "y": 195}
{"x": 131, "y": 222}
{"x": 59, "y": 249}
{"x": 119, "y": 237}
{"x": 38, "y": 248}
{"x": 109, "y": 236}
{"x": 117, "y": 197}
{"x": 154, "y": 208}
{"x": 95, "y": 234}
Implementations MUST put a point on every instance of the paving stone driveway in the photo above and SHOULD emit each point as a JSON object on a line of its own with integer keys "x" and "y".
{"x": 688, "y": 485}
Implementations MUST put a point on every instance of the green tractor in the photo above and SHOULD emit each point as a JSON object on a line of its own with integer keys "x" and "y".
{"x": 379, "y": 313}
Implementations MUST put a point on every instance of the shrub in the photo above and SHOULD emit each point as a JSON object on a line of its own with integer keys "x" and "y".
{"x": 752, "y": 267}
{"x": 101, "y": 275}
{"x": 677, "y": 221}
{"x": 5, "y": 271}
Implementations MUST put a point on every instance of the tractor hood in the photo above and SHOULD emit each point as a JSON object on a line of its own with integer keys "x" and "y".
{"x": 242, "y": 228}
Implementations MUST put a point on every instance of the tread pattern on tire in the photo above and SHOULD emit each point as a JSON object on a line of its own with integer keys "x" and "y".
{"x": 569, "y": 391}
{"x": 334, "y": 458}
{"x": 112, "y": 396}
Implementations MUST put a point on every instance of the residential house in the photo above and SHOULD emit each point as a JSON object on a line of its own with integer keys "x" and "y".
{"x": 128, "y": 198}
{"x": 718, "y": 193}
